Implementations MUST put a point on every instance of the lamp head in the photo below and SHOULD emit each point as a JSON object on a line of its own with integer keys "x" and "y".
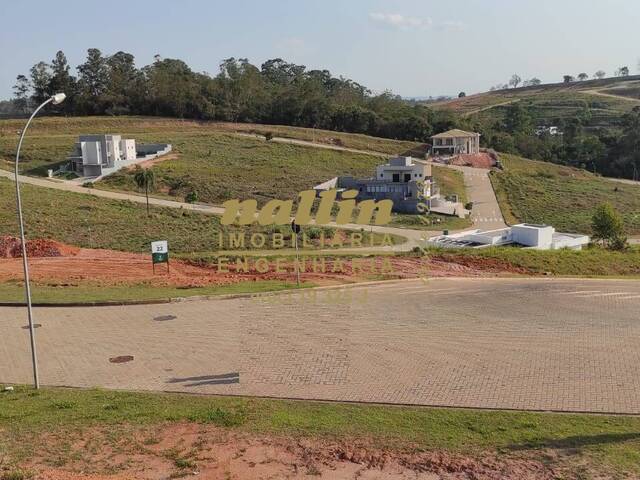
{"x": 58, "y": 98}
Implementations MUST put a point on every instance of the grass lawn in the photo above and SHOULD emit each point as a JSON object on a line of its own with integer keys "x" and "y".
{"x": 93, "y": 222}
{"x": 611, "y": 443}
{"x": 50, "y": 126}
{"x": 540, "y": 192}
{"x": 593, "y": 261}
{"x": 219, "y": 167}
{"x": 90, "y": 293}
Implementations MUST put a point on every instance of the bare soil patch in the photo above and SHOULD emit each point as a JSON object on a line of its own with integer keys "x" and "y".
{"x": 209, "y": 452}
{"x": 475, "y": 160}
{"x": 52, "y": 261}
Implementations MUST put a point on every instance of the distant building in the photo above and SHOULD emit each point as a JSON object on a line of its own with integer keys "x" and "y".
{"x": 99, "y": 155}
{"x": 552, "y": 130}
{"x": 540, "y": 237}
{"x": 454, "y": 142}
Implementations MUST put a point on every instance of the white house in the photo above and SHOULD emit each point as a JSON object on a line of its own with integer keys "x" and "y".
{"x": 540, "y": 237}
{"x": 455, "y": 142}
{"x": 98, "y": 155}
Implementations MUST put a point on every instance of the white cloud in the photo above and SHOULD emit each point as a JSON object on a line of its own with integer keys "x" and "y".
{"x": 397, "y": 20}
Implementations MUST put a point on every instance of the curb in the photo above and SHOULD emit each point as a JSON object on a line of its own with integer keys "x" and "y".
{"x": 197, "y": 298}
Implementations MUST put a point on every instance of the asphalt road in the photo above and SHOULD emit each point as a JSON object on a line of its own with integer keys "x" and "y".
{"x": 541, "y": 344}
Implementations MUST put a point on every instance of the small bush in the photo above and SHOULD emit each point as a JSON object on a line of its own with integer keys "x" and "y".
{"x": 18, "y": 474}
{"x": 220, "y": 417}
{"x": 191, "y": 197}
{"x": 184, "y": 463}
{"x": 268, "y": 136}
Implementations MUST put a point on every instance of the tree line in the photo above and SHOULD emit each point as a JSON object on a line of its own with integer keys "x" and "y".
{"x": 277, "y": 92}
{"x": 613, "y": 152}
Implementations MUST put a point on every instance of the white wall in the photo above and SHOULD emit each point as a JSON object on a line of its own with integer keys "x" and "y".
{"x": 91, "y": 153}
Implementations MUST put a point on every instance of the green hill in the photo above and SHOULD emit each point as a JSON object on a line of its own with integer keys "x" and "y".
{"x": 565, "y": 197}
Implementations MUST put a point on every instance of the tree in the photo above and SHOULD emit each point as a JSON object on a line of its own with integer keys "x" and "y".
{"x": 568, "y": 78}
{"x": 607, "y": 225}
{"x": 21, "y": 92}
{"x": 600, "y": 74}
{"x": 62, "y": 81}
{"x": 532, "y": 82}
{"x": 628, "y": 148}
{"x": 582, "y": 76}
{"x": 518, "y": 119}
{"x": 145, "y": 179}
{"x": 462, "y": 95}
{"x": 123, "y": 90}
{"x": 93, "y": 80}
{"x": 623, "y": 72}
{"x": 40, "y": 79}
{"x": 515, "y": 80}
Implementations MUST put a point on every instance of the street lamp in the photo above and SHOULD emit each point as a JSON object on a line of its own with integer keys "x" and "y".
{"x": 55, "y": 99}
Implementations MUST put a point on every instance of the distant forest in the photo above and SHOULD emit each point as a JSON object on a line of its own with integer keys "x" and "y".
{"x": 284, "y": 93}
{"x": 277, "y": 92}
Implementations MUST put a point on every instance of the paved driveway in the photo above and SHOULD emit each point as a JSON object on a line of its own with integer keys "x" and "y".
{"x": 570, "y": 345}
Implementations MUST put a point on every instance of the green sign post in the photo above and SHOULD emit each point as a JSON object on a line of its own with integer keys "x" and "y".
{"x": 160, "y": 253}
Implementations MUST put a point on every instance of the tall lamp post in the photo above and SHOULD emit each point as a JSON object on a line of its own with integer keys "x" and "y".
{"x": 55, "y": 99}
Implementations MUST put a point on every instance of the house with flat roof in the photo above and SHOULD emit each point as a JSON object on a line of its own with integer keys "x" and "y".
{"x": 526, "y": 235}
{"x": 455, "y": 142}
{"x": 95, "y": 156}
{"x": 409, "y": 184}
{"x": 402, "y": 180}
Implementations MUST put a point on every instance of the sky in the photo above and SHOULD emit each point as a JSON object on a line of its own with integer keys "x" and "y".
{"x": 415, "y": 48}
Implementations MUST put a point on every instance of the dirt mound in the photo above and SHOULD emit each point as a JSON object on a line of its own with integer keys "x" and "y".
{"x": 11, "y": 247}
{"x": 476, "y": 160}
{"x": 188, "y": 449}
{"x": 471, "y": 263}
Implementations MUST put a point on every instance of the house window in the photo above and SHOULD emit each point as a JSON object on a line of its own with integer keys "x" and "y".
{"x": 396, "y": 177}
{"x": 381, "y": 175}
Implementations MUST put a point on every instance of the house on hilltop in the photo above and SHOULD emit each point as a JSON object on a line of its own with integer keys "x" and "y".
{"x": 455, "y": 142}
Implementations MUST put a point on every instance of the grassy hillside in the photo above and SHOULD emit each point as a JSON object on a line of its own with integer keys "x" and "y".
{"x": 88, "y": 221}
{"x": 214, "y": 162}
{"x": 607, "y": 99}
{"x": 539, "y": 192}
{"x": 52, "y": 126}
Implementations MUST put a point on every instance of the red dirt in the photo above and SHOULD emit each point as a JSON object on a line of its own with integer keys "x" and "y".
{"x": 11, "y": 247}
{"x": 54, "y": 262}
{"x": 476, "y": 160}
{"x": 209, "y": 452}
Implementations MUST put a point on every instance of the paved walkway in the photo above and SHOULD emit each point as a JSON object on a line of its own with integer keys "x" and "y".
{"x": 486, "y": 213}
{"x": 543, "y": 344}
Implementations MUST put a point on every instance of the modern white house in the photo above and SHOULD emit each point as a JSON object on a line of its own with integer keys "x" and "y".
{"x": 455, "y": 142}
{"x": 404, "y": 181}
{"x": 95, "y": 156}
{"x": 527, "y": 235}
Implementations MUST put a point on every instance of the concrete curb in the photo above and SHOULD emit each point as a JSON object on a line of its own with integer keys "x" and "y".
{"x": 198, "y": 298}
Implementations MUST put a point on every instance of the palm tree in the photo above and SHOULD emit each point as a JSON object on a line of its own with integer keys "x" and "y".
{"x": 145, "y": 178}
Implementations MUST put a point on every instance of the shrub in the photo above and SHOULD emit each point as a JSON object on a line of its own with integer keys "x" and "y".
{"x": 268, "y": 136}
{"x": 191, "y": 197}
